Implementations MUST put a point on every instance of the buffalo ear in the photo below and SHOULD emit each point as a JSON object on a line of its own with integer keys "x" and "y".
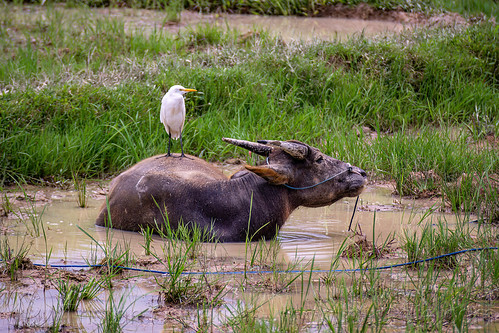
{"x": 273, "y": 174}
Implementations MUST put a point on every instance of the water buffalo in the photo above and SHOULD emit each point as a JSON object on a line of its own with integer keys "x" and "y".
{"x": 255, "y": 201}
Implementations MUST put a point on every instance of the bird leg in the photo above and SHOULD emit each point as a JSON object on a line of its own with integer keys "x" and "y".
{"x": 181, "y": 146}
{"x": 169, "y": 144}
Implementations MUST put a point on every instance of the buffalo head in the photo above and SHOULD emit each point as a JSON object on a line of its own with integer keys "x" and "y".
{"x": 318, "y": 179}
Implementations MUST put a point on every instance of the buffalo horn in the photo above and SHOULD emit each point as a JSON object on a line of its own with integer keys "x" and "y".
{"x": 296, "y": 150}
{"x": 254, "y": 147}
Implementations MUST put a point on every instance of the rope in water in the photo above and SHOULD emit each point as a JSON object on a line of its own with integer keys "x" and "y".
{"x": 279, "y": 271}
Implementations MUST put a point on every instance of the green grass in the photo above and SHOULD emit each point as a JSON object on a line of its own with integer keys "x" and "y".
{"x": 172, "y": 8}
{"x": 436, "y": 240}
{"x": 73, "y": 293}
{"x": 80, "y": 96}
{"x": 13, "y": 259}
{"x": 84, "y": 99}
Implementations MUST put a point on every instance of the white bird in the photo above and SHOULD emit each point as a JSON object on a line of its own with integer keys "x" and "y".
{"x": 173, "y": 114}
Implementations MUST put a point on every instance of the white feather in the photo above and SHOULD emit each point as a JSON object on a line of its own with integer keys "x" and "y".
{"x": 173, "y": 110}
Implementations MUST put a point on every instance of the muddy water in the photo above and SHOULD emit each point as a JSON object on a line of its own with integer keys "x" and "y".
{"x": 308, "y": 234}
{"x": 309, "y": 28}
{"x": 287, "y": 28}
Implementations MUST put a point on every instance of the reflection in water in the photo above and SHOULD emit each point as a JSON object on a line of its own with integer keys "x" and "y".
{"x": 309, "y": 28}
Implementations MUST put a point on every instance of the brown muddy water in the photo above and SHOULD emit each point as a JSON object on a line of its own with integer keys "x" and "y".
{"x": 310, "y": 28}
{"x": 299, "y": 28}
{"x": 309, "y": 234}
{"x": 288, "y": 28}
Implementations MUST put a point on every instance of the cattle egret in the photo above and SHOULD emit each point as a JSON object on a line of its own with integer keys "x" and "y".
{"x": 173, "y": 114}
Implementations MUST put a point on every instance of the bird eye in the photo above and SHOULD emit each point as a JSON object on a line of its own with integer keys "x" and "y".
{"x": 319, "y": 160}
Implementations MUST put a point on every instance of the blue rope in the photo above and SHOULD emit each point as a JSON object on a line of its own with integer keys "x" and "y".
{"x": 281, "y": 271}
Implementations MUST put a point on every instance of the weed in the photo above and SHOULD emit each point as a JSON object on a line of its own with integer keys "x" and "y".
{"x": 114, "y": 314}
{"x": 177, "y": 288}
{"x": 436, "y": 240}
{"x": 173, "y": 10}
{"x": 13, "y": 260}
{"x": 91, "y": 289}
{"x": 243, "y": 316}
{"x": 6, "y": 204}
{"x": 70, "y": 294}
{"x": 147, "y": 233}
{"x": 439, "y": 298}
{"x": 474, "y": 193}
{"x": 189, "y": 290}
{"x": 81, "y": 187}
{"x": 57, "y": 316}
{"x": 181, "y": 247}
{"x": 116, "y": 256}
{"x": 30, "y": 216}
{"x": 73, "y": 293}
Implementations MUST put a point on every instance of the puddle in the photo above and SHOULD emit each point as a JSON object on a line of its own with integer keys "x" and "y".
{"x": 286, "y": 27}
{"x": 36, "y": 310}
{"x": 309, "y": 28}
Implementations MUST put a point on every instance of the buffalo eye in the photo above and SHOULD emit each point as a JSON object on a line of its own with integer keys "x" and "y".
{"x": 320, "y": 159}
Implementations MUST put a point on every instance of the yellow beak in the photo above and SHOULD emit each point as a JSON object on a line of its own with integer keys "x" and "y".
{"x": 186, "y": 89}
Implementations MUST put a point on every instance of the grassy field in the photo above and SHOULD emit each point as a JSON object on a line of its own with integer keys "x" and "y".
{"x": 81, "y": 94}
